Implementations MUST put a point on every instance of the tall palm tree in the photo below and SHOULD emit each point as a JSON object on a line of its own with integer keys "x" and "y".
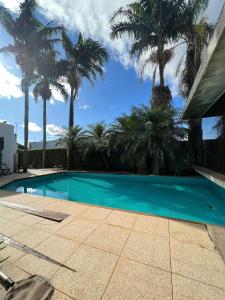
{"x": 74, "y": 138}
{"x": 30, "y": 40}
{"x": 152, "y": 24}
{"x": 196, "y": 32}
{"x": 98, "y": 141}
{"x": 85, "y": 59}
{"x": 49, "y": 72}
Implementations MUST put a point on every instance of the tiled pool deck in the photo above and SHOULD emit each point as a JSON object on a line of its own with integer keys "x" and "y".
{"x": 117, "y": 255}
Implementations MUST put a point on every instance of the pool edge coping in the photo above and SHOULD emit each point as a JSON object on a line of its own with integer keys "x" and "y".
{"x": 101, "y": 206}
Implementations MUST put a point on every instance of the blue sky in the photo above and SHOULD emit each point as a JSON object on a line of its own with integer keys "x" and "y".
{"x": 107, "y": 99}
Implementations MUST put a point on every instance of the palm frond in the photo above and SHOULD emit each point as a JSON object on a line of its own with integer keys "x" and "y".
{"x": 7, "y": 21}
{"x": 67, "y": 43}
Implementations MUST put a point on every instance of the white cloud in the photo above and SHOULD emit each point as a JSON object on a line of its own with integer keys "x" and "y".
{"x": 11, "y": 4}
{"x": 85, "y": 106}
{"x": 9, "y": 84}
{"x": 54, "y": 130}
{"x": 33, "y": 127}
{"x": 91, "y": 17}
{"x": 56, "y": 95}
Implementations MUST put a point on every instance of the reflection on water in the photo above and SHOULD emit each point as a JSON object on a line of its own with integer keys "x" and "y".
{"x": 194, "y": 199}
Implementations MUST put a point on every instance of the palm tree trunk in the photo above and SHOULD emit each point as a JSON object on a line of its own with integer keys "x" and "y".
{"x": 161, "y": 74}
{"x": 26, "y": 129}
{"x": 71, "y": 125}
{"x": 161, "y": 66}
{"x": 105, "y": 160}
{"x": 44, "y": 133}
{"x": 71, "y": 109}
{"x": 195, "y": 139}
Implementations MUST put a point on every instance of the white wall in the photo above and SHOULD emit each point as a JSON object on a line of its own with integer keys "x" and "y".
{"x": 9, "y": 153}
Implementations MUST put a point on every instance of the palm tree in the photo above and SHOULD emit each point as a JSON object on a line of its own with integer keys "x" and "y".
{"x": 49, "y": 72}
{"x": 74, "y": 138}
{"x": 98, "y": 141}
{"x": 149, "y": 137}
{"x": 30, "y": 40}
{"x": 85, "y": 59}
{"x": 152, "y": 24}
{"x": 196, "y": 32}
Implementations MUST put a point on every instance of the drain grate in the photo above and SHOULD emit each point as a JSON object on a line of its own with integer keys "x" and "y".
{"x": 10, "y": 242}
{"x": 46, "y": 214}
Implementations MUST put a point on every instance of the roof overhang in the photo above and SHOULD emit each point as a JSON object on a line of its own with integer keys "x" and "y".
{"x": 207, "y": 96}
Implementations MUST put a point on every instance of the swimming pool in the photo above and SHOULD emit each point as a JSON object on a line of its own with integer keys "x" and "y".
{"x": 193, "y": 199}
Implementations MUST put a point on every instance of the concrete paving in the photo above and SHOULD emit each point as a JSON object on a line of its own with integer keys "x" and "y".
{"x": 117, "y": 255}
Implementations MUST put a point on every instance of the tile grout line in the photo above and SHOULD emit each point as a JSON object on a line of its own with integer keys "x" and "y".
{"x": 199, "y": 281}
{"x": 120, "y": 256}
{"x": 170, "y": 259}
{"x": 33, "y": 248}
{"x": 64, "y": 294}
{"x": 80, "y": 244}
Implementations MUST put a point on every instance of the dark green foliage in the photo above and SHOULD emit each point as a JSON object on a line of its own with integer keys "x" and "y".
{"x": 152, "y": 25}
{"x": 54, "y": 157}
{"x": 74, "y": 138}
{"x": 98, "y": 137}
{"x": 149, "y": 139}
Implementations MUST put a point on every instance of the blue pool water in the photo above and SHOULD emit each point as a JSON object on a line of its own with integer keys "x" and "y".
{"x": 193, "y": 199}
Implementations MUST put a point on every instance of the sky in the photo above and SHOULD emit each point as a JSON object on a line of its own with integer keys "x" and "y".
{"x": 120, "y": 89}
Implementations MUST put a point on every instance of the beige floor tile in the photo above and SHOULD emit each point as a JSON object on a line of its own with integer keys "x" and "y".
{"x": 29, "y": 200}
{"x": 36, "y": 201}
{"x": 133, "y": 280}
{"x": 60, "y": 296}
{"x": 10, "y": 214}
{"x": 2, "y": 220}
{"x": 152, "y": 225}
{"x": 149, "y": 249}
{"x": 31, "y": 237}
{"x": 121, "y": 219}
{"x": 57, "y": 248}
{"x": 12, "y": 271}
{"x": 184, "y": 288}
{"x": 95, "y": 213}
{"x": 35, "y": 265}
{"x": 108, "y": 238}
{"x": 94, "y": 268}
{"x": 11, "y": 228}
{"x": 190, "y": 233}
{"x": 67, "y": 207}
{"x": 10, "y": 254}
{"x": 52, "y": 226}
{"x": 197, "y": 263}
{"x": 78, "y": 230}
{"x": 28, "y": 219}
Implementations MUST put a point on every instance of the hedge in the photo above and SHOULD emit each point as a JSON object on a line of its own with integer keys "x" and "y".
{"x": 58, "y": 156}
{"x": 53, "y": 157}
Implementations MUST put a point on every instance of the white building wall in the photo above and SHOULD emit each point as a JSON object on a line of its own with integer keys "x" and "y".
{"x": 9, "y": 153}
